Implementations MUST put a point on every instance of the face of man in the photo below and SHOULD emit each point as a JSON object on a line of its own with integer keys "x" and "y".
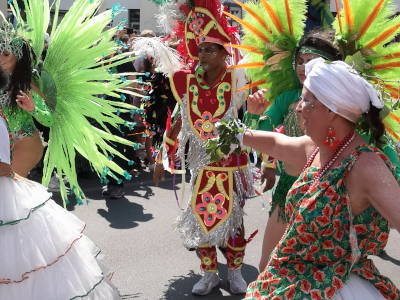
{"x": 211, "y": 56}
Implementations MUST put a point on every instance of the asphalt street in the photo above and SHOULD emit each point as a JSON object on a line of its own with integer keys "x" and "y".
{"x": 138, "y": 242}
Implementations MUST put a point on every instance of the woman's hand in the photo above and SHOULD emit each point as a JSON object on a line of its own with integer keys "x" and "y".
{"x": 256, "y": 103}
{"x": 25, "y": 102}
{"x": 268, "y": 175}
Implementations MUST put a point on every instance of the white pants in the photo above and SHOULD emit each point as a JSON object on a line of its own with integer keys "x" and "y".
{"x": 358, "y": 289}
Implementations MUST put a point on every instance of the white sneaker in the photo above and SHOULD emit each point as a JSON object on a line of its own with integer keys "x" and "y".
{"x": 206, "y": 284}
{"x": 236, "y": 281}
{"x": 54, "y": 184}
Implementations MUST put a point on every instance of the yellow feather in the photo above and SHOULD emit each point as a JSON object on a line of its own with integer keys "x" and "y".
{"x": 248, "y": 65}
{"x": 348, "y": 15}
{"x": 338, "y": 14}
{"x": 382, "y": 38}
{"x": 251, "y": 85}
{"x": 289, "y": 17}
{"x": 245, "y": 48}
{"x": 249, "y": 27}
{"x": 367, "y": 23}
{"x": 274, "y": 17}
{"x": 255, "y": 16}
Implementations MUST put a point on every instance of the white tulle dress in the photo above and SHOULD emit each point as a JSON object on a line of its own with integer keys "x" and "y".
{"x": 44, "y": 255}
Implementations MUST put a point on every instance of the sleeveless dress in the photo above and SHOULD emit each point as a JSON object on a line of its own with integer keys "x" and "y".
{"x": 45, "y": 255}
{"x": 324, "y": 246}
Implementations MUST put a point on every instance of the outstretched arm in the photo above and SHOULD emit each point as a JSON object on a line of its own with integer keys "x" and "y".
{"x": 291, "y": 150}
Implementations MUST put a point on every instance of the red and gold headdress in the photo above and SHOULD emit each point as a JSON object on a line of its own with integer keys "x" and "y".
{"x": 197, "y": 22}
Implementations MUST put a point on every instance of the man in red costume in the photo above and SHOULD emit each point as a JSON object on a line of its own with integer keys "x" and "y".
{"x": 214, "y": 216}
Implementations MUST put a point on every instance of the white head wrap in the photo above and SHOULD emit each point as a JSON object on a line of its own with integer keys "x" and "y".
{"x": 340, "y": 88}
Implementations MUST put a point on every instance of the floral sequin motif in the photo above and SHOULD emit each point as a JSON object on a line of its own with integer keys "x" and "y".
{"x": 211, "y": 208}
{"x": 208, "y": 258}
{"x": 235, "y": 259}
{"x": 195, "y": 24}
{"x": 206, "y": 127}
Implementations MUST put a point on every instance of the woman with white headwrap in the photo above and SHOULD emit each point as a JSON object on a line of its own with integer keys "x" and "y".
{"x": 342, "y": 204}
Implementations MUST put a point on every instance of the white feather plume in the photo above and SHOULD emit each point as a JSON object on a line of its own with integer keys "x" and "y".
{"x": 166, "y": 59}
{"x": 169, "y": 13}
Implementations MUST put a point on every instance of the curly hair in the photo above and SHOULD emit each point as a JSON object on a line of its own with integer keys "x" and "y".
{"x": 21, "y": 77}
{"x": 371, "y": 123}
{"x": 322, "y": 40}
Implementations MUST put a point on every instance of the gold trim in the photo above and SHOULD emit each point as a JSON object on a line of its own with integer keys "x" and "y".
{"x": 208, "y": 13}
{"x": 169, "y": 141}
{"x": 237, "y": 248}
{"x": 195, "y": 107}
{"x": 194, "y": 199}
{"x": 174, "y": 91}
{"x": 221, "y": 107}
{"x": 222, "y": 169}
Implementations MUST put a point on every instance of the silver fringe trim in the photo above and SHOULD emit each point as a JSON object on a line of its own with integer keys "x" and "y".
{"x": 197, "y": 158}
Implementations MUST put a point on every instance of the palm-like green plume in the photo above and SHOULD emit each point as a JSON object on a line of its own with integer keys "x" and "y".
{"x": 285, "y": 27}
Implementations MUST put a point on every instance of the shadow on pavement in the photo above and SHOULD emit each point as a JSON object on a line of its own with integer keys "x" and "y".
{"x": 123, "y": 214}
{"x": 387, "y": 257}
{"x": 180, "y": 287}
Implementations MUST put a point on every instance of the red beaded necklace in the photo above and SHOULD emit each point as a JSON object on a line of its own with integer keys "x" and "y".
{"x": 342, "y": 145}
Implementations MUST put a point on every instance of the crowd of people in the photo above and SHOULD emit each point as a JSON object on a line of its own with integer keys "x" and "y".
{"x": 320, "y": 102}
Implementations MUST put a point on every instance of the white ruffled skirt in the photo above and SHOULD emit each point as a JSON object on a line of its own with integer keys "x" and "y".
{"x": 44, "y": 255}
{"x": 358, "y": 289}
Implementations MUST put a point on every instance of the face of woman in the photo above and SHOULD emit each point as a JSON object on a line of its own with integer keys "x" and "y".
{"x": 302, "y": 59}
{"x": 8, "y": 61}
{"x": 315, "y": 115}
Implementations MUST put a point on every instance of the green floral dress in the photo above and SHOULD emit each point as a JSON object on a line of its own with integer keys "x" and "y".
{"x": 322, "y": 244}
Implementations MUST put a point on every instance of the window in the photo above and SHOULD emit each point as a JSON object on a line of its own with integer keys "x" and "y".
{"x": 134, "y": 18}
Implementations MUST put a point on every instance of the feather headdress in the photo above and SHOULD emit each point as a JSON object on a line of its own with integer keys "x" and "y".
{"x": 363, "y": 29}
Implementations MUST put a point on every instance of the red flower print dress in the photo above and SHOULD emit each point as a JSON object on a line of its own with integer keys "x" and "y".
{"x": 323, "y": 243}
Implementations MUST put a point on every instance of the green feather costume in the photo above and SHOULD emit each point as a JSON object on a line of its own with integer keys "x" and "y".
{"x": 73, "y": 75}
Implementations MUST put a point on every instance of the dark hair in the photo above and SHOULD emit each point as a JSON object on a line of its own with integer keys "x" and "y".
{"x": 371, "y": 123}
{"x": 322, "y": 40}
{"x": 21, "y": 77}
{"x": 3, "y": 78}
{"x": 124, "y": 38}
{"x": 147, "y": 64}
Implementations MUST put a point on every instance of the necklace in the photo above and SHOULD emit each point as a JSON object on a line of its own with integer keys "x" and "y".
{"x": 342, "y": 145}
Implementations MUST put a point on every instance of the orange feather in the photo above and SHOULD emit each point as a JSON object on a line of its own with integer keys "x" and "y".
{"x": 274, "y": 17}
{"x": 248, "y": 65}
{"x": 249, "y": 27}
{"x": 371, "y": 18}
{"x": 289, "y": 17}
{"x": 251, "y": 85}
{"x": 391, "y": 55}
{"x": 386, "y": 66}
{"x": 394, "y": 117}
{"x": 390, "y": 130}
{"x": 255, "y": 16}
{"x": 380, "y": 39}
{"x": 348, "y": 15}
{"x": 245, "y": 48}
{"x": 338, "y": 14}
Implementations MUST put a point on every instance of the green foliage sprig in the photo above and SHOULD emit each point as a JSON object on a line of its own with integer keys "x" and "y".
{"x": 226, "y": 140}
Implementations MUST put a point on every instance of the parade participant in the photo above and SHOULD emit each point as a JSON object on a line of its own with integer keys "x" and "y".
{"x": 339, "y": 210}
{"x": 159, "y": 61}
{"x": 317, "y": 43}
{"x": 47, "y": 255}
{"x": 214, "y": 215}
{"x": 17, "y": 58}
{"x": 71, "y": 78}
{"x": 282, "y": 111}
